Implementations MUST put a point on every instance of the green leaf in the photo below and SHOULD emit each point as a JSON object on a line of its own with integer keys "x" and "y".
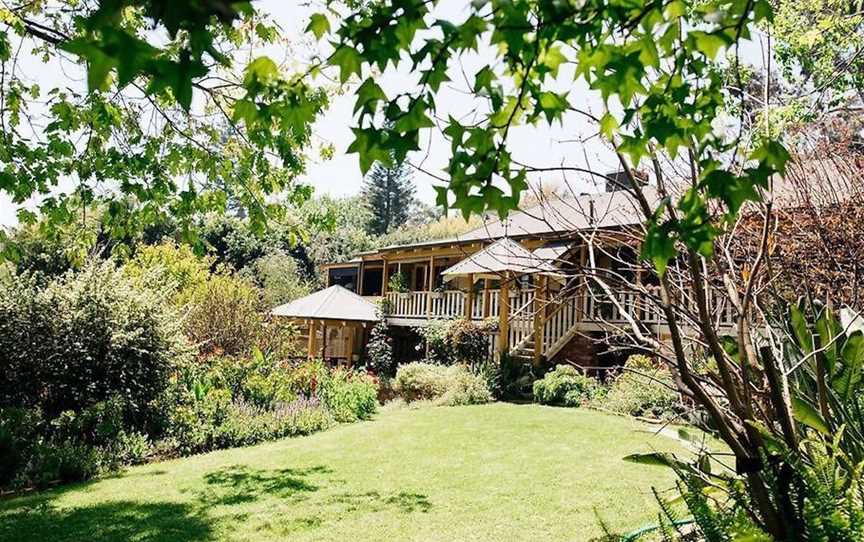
{"x": 800, "y": 329}
{"x": 348, "y": 60}
{"x": 369, "y": 94}
{"x": 261, "y": 70}
{"x": 246, "y": 111}
{"x": 608, "y": 125}
{"x": 852, "y": 355}
{"x": 708, "y": 44}
{"x": 414, "y": 119}
{"x": 807, "y": 414}
{"x": 318, "y": 25}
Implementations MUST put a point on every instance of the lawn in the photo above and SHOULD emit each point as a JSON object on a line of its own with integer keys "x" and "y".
{"x": 494, "y": 472}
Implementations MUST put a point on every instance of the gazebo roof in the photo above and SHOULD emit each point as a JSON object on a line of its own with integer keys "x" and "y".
{"x": 333, "y": 303}
{"x": 502, "y": 255}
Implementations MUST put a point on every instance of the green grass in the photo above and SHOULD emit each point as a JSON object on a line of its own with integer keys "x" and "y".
{"x": 494, "y": 472}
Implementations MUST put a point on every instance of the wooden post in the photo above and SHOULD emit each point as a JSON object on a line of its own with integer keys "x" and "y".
{"x": 539, "y": 317}
{"x": 429, "y": 280}
{"x": 311, "y": 348}
{"x": 360, "y": 279}
{"x": 350, "y": 346}
{"x": 384, "y": 279}
{"x": 323, "y": 340}
{"x": 486, "y": 300}
{"x": 581, "y": 295}
{"x": 469, "y": 298}
{"x": 504, "y": 316}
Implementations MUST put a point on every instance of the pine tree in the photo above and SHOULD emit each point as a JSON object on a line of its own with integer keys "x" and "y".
{"x": 389, "y": 194}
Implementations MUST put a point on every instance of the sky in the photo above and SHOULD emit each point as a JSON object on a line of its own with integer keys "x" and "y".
{"x": 572, "y": 143}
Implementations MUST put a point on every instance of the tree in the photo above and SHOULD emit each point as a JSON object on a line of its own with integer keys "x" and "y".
{"x": 388, "y": 191}
{"x": 174, "y": 121}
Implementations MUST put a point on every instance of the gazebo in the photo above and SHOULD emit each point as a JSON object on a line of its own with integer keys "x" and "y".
{"x": 336, "y": 321}
{"x": 505, "y": 260}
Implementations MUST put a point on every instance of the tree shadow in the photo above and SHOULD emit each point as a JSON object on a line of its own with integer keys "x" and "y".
{"x": 239, "y": 484}
{"x": 373, "y": 501}
{"x": 107, "y": 522}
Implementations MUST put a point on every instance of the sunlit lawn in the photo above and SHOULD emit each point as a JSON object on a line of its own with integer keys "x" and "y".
{"x": 496, "y": 472}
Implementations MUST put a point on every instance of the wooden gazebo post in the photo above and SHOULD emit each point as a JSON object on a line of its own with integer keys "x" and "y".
{"x": 504, "y": 316}
{"x": 311, "y": 346}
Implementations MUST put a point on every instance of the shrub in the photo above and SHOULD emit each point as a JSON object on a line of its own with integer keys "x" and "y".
{"x": 247, "y": 424}
{"x": 83, "y": 338}
{"x": 420, "y": 381}
{"x": 565, "y": 385}
{"x": 455, "y": 385}
{"x": 379, "y": 349}
{"x": 278, "y": 277}
{"x": 350, "y": 396}
{"x": 465, "y": 388}
{"x": 649, "y": 392}
{"x": 19, "y": 429}
{"x": 168, "y": 266}
{"x": 455, "y": 341}
{"x": 223, "y": 315}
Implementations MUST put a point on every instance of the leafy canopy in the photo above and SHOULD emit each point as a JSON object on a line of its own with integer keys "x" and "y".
{"x": 653, "y": 63}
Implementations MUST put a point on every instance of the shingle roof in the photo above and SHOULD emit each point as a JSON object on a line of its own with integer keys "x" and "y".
{"x": 333, "y": 303}
{"x": 502, "y": 255}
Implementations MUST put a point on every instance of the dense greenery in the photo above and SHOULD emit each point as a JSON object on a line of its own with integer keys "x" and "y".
{"x": 565, "y": 385}
{"x": 120, "y": 362}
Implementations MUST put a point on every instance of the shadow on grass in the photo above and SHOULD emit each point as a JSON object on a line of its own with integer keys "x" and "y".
{"x": 37, "y": 518}
{"x": 114, "y": 521}
{"x": 239, "y": 484}
{"x": 373, "y": 501}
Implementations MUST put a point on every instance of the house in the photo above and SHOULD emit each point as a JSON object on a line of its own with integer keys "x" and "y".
{"x": 539, "y": 275}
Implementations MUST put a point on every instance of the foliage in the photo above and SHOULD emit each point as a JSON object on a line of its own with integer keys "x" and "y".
{"x": 442, "y": 228}
{"x": 453, "y": 385}
{"x": 456, "y": 341}
{"x": 565, "y": 385}
{"x": 223, "y": 315}
{"x": 349, "y": 395}
{"x": 643, "y": 389}
{"x": 656, "y": 62}
{"x": 243, "y": 138}
{"x": 168, "y": 266}
{"x": 246, "y": 424}
{"x": 388, "y": 192}
{"x": 337, "y": 228}
{"x": 84, "y": 337}
{"x": 398, "y": 283}
{"x": 379, "y": 349}
{"x": 74, "y": 446}
{"x": 279, "y": 278}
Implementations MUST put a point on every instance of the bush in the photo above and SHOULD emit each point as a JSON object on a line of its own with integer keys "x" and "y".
{"x": 350, "y": 396}
{"x": 278, "y": 277}
{"x": 84, "y": 338}
{"x": 456, "y": 341}
{"x": 455, "y": 385}
{"x": 650, "y": 392}
{"x": 223, "y": 315}
{"x": 565, "y": 385}
{"x": 418, "y": 381}
{"x": 247, "y": 424}
{"x": 379, "y": 349}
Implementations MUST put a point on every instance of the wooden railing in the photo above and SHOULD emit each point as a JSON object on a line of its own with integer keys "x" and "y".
{"x": 562, "y": 318}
